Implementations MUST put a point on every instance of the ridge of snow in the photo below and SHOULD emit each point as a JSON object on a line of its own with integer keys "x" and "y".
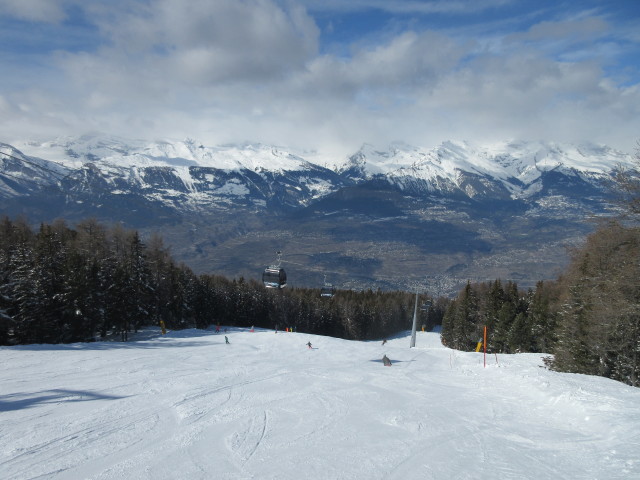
{"x": 516, "y": 165}
{"x": 521, "y": 160}
{"x": 510, "y": 159}
{"x": 115, "y": 152}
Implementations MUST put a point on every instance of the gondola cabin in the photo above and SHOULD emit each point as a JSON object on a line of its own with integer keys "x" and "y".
{"x": 274, "y": 277}
{"x": 328, "y": 291}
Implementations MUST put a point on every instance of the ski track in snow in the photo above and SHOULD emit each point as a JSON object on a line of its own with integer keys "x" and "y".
{"x": 187, "y": 406}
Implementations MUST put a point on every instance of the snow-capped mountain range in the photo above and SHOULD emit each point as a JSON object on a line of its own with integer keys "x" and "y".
{"x": 470, "y": 203}
{"x": 518, "y": 167}
{"x": 203, "y": 175}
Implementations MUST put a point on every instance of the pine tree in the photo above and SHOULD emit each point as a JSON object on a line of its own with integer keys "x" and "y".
{"x": 461, "y": 328}
{"x": 81, "y": 298}
{"x": 598, "y": 326}
{"x": 520, "y": 338}
{"x": 39, "y": 289}
{"x": 140, "y": 282}
{"x": 542, "y": 315}
{"x": 573, "y": 351}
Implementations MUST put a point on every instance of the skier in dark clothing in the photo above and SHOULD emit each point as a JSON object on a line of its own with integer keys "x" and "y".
{"x": 384, "y": 341}
{"x": 309, "y": 344}
{"x": 226, "y": 340}
{"x": 386, "y": 361}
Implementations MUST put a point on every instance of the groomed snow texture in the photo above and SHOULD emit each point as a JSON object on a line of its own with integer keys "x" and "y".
{"x": 188, "y": 406}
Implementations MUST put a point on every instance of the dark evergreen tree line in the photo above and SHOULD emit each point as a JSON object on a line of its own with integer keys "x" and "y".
{"x": 60, "y": 284}
{"x": 599, "y": 312}
{"x": 589, "y": 319}
{"x": 516, "y": 320}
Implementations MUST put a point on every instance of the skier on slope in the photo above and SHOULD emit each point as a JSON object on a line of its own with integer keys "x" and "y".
{"x": 384, "y": 341}
{"x": 386, "y": 361}
{"x": 226, "y": 340}
{"x": 309, "y": 345}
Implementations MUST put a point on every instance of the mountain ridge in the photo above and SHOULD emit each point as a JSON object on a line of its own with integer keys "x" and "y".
{"x": 453, "y": 212}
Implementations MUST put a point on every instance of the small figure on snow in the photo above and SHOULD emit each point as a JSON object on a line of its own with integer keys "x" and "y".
{"x": 386, "y": 361}
{"x": 309, "y": 345}
{"x": 384, "y": 341}
{"x": 226, "y": 340}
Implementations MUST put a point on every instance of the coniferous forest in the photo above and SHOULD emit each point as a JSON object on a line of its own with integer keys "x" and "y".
{"x": 60, "y": 285}
{"x": 589, "y": 318}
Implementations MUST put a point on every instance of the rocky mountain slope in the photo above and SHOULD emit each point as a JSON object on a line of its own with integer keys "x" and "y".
{"x": 397, "y": 218}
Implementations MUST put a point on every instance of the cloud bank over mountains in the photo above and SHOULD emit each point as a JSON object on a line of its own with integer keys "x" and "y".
{"x": 318, "y": 75}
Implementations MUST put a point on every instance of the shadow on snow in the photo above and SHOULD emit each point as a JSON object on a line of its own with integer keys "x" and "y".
{"x": 19, "y": 401}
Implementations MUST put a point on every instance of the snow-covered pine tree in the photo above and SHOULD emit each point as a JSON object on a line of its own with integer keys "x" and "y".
{"x": 460, "y": 325}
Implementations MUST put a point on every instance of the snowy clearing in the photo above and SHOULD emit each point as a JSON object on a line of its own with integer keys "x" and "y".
{"x": 188, "y": 406}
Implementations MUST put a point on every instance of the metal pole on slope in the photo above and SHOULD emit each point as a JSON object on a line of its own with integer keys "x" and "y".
{"x": 415, "y": 323}
{"x": 484, "y": 344}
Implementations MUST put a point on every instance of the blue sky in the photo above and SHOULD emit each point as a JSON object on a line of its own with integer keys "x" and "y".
{"x": 322, "y": 74}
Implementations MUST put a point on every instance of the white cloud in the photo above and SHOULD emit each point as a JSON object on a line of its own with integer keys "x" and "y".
{"x": 206, "y": 42}
{"x": 408, "y": 6}
{"x": 585, "y": 29}
{"x": 49, "y": 11}
{"x": 235, "y": 70}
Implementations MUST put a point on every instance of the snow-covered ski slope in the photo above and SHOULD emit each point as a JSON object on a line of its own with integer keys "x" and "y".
{"x": 188, "y": 406}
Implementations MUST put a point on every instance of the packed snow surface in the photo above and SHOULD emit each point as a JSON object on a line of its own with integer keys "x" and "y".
{"x": 188, "y": 406}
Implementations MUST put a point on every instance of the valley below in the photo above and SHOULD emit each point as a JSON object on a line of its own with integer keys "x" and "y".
{"x": 435, "y": 249}
{"x": 404, "y": 218}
